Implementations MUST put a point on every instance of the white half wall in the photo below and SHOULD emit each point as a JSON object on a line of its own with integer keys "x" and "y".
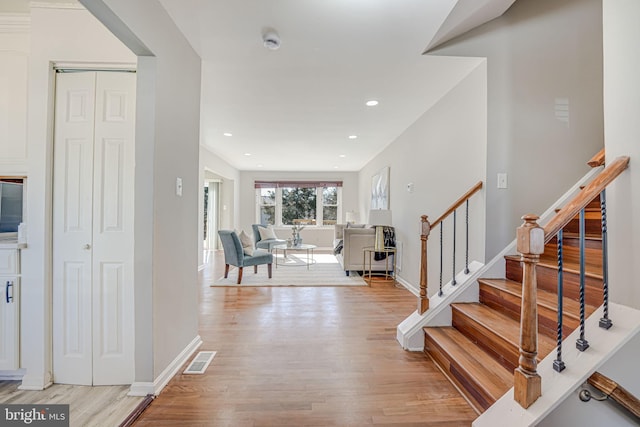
{"x": 443, "y": 154}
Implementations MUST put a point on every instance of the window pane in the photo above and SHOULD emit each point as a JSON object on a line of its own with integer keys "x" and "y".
{"x": 268, "y": 215}
{"x": 330, "y": 196}
{"x": 267, "y": 196}
{"x": 329, "y": 215}
{"x": 298, "y": 204}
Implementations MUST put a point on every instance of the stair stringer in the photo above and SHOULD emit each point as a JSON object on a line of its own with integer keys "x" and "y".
{"x": 559, "y": 386}
{"x": 409, "y": 332}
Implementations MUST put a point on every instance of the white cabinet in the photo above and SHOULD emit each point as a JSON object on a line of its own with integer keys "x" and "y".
{"x": 9, "y": 309}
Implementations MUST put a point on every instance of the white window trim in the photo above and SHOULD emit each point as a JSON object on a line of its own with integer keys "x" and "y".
{"x": 278, "y": 210}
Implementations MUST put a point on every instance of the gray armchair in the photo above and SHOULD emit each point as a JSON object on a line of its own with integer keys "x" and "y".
{"x": 234, "y": 255}
{"x": 267, "y": 244}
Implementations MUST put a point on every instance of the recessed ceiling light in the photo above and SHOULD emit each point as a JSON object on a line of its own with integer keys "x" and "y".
{"x": 342, "y": 155}
{"x": 353, "y": 136}
{"x": 227, "y": 134}
{"x": 335, "y": 167}
{"x": 260, "y": 166}
{"x": 371, "y": 103}
{"x": 247, "y": 154}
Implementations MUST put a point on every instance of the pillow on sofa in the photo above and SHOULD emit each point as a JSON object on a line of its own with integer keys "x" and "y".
{"x": 247, "y": 243}
{"x": 267, "y": 233}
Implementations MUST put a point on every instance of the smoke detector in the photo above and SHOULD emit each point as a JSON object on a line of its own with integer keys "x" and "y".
{"x": 271, "y": 40}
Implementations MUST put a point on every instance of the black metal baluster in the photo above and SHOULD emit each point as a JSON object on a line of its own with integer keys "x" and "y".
{"x": 441, "y": 256}
{"x": 605, "y": 322}
{"x": 453, "y": 281}
{"x": 582, "y": 344}
{"x": 466, "y": 256}
{"x": 558, "y": 364}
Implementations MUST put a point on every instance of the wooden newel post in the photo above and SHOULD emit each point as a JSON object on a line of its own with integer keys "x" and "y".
{"x": 423, "y": 302}
{"x": 530, "y": 244}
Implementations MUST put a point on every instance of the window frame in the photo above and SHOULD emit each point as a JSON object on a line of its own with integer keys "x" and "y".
{"x": 279, "y": 185}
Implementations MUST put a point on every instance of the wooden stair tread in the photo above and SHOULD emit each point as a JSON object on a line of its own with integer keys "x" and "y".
{"x": 587, "y": 236}
{"x": 570, "y": 266}
{"x": 545, "y": 298}
{"x": 502, "y": 325}
{"x": 487, "y": 373}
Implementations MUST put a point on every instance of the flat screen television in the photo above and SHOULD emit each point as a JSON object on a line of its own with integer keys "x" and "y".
{"x": 11, "y": 193}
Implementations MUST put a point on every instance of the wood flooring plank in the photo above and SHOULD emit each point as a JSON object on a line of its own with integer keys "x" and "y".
{"x": 308, "y": 357}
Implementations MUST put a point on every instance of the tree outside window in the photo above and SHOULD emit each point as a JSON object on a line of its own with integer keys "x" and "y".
{"x": 329, "y": 205}
{"x": 298, "y": 205}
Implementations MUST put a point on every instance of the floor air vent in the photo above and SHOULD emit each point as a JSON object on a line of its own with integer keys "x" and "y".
{"x": 200, "y": 363}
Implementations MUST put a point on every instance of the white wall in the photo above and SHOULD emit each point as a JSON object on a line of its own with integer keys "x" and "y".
{"x": 622, "y": 368}
{"x": 443, "y": 154}
{"x": 229, "y": 198}
{"x": 320, "y": 236}
{"x": 167, "y": 130}
{"x": 14, "y": 60}
{"x": 622, "y": 137}
{"x": 54, "y": 37}
{"x": 537, "y": 52}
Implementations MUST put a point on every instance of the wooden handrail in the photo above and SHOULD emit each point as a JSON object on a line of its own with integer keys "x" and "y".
{"x": 588, "y": 193}
{"x": 613, "y": 390}
{"x": 425, "y": 229}
{"x": 458, "y": 203}
{"x": 597, "y": 160}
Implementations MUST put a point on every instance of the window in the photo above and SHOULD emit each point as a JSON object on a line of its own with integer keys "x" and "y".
{"x": 266, "y": 206}
{"x": 306, "y": 203}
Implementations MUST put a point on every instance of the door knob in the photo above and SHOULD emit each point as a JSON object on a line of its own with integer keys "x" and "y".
{"x": 87, "y": 246}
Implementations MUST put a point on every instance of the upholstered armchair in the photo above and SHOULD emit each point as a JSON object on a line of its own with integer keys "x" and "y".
{"x": 234, "y": 254}
{"x": 261, "y": 243}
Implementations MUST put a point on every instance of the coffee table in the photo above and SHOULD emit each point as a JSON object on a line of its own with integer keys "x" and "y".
{"x": 300, "y": 247}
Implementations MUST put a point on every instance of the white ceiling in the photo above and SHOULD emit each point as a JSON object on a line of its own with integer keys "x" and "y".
{"x": 292, "y": 109}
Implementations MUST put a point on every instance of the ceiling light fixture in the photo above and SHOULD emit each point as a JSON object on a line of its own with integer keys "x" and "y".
{"x": 342, "y": 155}
{"x": 353, "y": 136}
{"x": 371, "y": 103}
{"x": 227, "y": 134}
{"x": 270, "y": 39}
{"x": 247, "y": 154}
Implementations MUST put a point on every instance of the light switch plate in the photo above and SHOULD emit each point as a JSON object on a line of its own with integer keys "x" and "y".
{"x": 502, "y": 180}
{"x": 179, "y": 186}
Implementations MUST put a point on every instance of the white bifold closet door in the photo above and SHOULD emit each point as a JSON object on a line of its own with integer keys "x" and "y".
{"x": 93, "y": 331}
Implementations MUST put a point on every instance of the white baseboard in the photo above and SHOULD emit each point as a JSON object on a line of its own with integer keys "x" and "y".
{"x": 155, "y": 387}
{"x": 35, "y": 382}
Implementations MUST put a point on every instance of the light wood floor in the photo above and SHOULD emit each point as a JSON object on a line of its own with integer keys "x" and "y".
{"x": 104, "y": 406}
{"x": 317, "y": 356}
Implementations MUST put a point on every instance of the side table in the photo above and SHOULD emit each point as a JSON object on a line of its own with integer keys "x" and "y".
{"x": 368, "y": 253}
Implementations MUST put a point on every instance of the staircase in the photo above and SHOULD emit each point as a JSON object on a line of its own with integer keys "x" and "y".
{"x": 480, "y": 351}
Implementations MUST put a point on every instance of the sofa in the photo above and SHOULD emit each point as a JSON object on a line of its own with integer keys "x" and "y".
{"x": 351, "y": 239}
